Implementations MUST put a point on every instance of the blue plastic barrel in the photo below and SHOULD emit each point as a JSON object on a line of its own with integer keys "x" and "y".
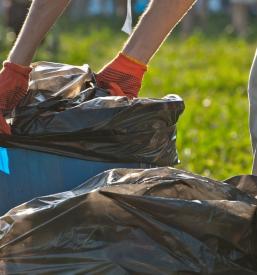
{"x": 26, "y": 174}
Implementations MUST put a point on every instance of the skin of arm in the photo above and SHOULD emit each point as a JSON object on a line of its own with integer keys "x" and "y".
{"x": 155, "y": 25}
{"x": 160, "y": 18}
{"x": 41, "y": 17}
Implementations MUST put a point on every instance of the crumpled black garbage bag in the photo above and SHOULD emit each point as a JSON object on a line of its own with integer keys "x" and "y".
{"x": 65, "y": 113}
{"x": 156, "y": 221}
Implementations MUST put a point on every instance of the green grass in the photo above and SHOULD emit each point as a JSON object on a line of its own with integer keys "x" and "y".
{"x": 210, "y": 74}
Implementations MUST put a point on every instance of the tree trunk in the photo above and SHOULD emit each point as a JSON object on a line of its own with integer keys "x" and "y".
{"x": 188, "y": 23}
{"x": 15, "y": 14}
{"x": 79, "y": 9}
{"x": 203, "y": 11}
{"x": 121, "y": 7}
{"x": 240, "y": 18}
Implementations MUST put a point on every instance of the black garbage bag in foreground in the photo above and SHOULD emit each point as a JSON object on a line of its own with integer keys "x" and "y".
{"x": 64, "y": 113}
{"x": 156, "y": 221}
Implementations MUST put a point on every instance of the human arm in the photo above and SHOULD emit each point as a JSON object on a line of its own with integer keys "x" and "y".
{"x": 41, "y": 17}
{"x": 158, "y": 21}
{"x": 123, "y": 76}
{"x": 14, "y": 76}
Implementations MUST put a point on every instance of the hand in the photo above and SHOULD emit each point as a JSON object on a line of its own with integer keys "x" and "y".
{"x": 13, "y": 87}
{"x": 122, "y": 77}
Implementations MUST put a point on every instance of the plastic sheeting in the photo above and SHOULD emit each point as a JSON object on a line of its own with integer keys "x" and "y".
{"x": 157, "y": 221}
{"x": 64, "y": 113}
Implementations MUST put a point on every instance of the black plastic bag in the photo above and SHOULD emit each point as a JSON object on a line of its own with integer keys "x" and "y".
{"x": 156, "y": 221}
{"x": 64, "y": 113}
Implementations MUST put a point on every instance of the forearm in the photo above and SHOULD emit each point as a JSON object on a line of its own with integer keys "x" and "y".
{"x": 157, "y": 22}
{"x": 41, "y": 17}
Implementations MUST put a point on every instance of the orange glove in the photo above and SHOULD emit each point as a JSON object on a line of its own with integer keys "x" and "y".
{"x": 122, "y": 77}
{"x": 13, "y": 87}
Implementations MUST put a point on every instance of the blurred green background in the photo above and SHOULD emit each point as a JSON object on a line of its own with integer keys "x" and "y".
{"x": 208, "y": 66}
